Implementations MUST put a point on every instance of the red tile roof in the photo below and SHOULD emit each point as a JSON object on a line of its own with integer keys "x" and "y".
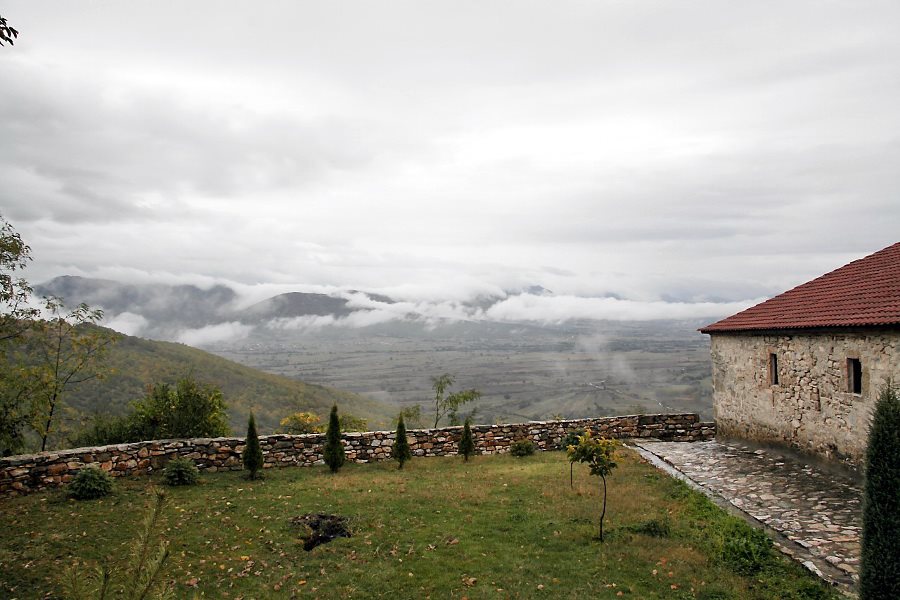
{"x": 864, "y": 293}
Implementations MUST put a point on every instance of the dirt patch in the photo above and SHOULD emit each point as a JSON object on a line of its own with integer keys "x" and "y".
{"x": 319, "y": 529}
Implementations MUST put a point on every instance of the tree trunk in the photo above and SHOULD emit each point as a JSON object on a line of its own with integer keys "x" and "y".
{"x": 603, "y": 512}
{"x": 49, "y": 421}
{"x": 571, "y": 480}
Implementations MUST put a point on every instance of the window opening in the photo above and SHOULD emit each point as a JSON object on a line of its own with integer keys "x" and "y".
{"x": 773, "y": 369}
{"x": 854, "y": 375}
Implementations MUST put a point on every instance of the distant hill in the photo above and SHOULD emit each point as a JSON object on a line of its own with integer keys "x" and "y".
{"x": 138, "y": 362}
{"x": 295, "y": 304}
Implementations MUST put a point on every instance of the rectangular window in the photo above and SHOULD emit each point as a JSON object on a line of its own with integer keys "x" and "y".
{"x": 854, "y": 376}
{"x": 773, "y": 369}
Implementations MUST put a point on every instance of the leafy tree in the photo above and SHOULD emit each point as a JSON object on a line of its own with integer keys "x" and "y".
{"x": 351, "y": 423}
{"x": 190, "y": 409}
{"x": 7, "y": 33}
{"x": 69, "y": 352}
{"x": 599, "y": 455}
{"x": 570, "y": 440}
{"x": 252, "y": 454}
{"x": 880, "y": 565}
{"x": 16, "y": 317}
{"x": 400, "y": 451}
{"x": 448, "y": 404}
{"x": 334, "y": 448}
{"x": 412, "y": 414}
{"x": 466, "y": 443}
{"x": 301, "y": 423}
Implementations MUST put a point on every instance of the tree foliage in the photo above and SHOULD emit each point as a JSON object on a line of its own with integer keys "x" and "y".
{"x": 187, "y": 410}
{"x": 400, "y": 450}
{"x": 68, "y": 352}
{"x": 252, "y": 455}
{"x": 466, "y": 443}
{"x": 16, "y": 317}
{"x": 880, "y": 566}
{"x": 599, "y": 454}
{"x": 447, "y": 405}
{"x": 300, "y": 423}
{"x": 8, "y": 34}
{"x": 334, "y": 447}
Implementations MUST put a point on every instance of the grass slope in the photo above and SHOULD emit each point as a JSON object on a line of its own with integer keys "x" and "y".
{"x": 138, "y": 362}
{"x": 496, "y": 527}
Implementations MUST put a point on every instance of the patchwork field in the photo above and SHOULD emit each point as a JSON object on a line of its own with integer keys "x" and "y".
{"x": 524, "y": 372}
{"x": 496, "y": 527}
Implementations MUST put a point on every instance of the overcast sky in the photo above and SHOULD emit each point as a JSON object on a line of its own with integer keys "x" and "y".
{"x": 655, "y": 151}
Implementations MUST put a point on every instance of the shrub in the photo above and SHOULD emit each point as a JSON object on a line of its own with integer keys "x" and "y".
{"x": 90, "y": 483}
{"x": 466, "y": 443}
{"x": 520, "y": 448}
{"x": 334, "y": 448}
{"x": 400, "y": 451}
{"x": 880, "y": 568}
{"x": 653, "y": 527}
{"x": 746, "y": 550}
{"x": 252, "y": 454}
{"x": 188, "y": 410}
{"x": 180, "y": 471}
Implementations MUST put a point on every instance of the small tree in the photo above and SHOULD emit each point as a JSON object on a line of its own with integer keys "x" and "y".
{"x": 466, "y": 443}
{"x": 599, "y": 454}
{"x": 334, "y": 448}
{"x": 400, "y": 451}
{"x": 449, "y": 404}
{"x": 568, "y": 442}
{"x": 880, "y": 566}
{"x": 252, "y": 454}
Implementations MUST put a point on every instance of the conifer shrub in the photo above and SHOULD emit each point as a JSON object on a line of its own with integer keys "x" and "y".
{"x": 400, "y": 451}
{"x": 334, "y": 448}
{"x": 523, "y": 447}
{"x": 252, "y": 454}
{"x": 880, "y": 557}
{"x": 466, "y": 443}
{"x": 90, "y": 483}
{"x": 180, "y": 471}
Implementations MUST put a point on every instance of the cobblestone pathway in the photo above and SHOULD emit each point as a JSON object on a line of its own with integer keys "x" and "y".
{"x": 817, "y": 508}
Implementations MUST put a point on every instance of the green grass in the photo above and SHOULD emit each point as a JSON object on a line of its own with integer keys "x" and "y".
{"x": 495, "y": 527}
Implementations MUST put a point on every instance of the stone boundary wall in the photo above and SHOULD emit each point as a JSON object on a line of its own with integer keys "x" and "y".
{"x": 32, "y": 472}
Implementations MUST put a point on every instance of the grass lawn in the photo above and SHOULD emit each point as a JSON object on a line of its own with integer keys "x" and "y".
{"x": 496, "y": 527}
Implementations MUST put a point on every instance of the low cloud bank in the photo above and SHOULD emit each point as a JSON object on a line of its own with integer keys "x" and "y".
{"x": 211, "y": 334}
{"x": 557, "y": 309}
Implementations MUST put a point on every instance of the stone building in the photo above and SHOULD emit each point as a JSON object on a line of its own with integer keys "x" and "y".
{"x": 805, "y": 367}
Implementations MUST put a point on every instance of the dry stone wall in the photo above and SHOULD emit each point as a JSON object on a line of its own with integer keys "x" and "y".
{"x": 28, "y": 473}
{"x": 811, "y": 407}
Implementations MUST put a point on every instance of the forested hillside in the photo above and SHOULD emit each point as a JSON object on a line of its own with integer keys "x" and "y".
{"x": 137, "y": 362}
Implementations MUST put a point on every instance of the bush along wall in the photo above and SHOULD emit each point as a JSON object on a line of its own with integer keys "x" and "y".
{"x": 27, "y": 473}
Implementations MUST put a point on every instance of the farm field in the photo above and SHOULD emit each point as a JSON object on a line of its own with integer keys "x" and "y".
{"x": 524, "y": 372}
{"x": 495, "y": 527}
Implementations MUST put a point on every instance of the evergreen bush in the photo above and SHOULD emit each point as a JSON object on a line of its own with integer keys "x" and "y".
{"x": 334, "y": 448}
{"x": 400, "y": 451}
{"x": 466, "y": 443}
{"x": 90, "y": 483}
{"x": 180, "y": 471}
{"x": 252, "y": 454}
{"x": 880, "y": 565}
{"x": 523, "y": 447}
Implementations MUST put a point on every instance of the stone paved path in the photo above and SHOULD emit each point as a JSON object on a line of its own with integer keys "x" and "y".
{"x": 817, "y": 508}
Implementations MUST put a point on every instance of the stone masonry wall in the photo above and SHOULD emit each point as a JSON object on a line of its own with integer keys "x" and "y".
{"x": 810, "y": 408}
{"x": 28, "y": 473}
